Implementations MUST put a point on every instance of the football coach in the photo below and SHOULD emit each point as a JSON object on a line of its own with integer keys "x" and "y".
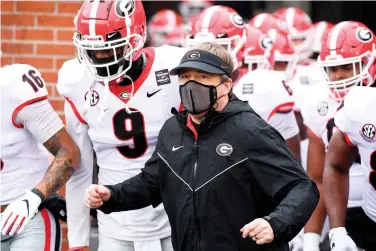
{"x": 225, "y": 177}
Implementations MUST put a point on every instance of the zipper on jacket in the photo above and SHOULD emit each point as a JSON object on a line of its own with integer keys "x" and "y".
{"x": 195, "y": 166}
{"x": 194, "y": 194}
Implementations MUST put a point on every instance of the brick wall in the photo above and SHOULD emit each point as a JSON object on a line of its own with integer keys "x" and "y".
{"x": 39, "y": 33}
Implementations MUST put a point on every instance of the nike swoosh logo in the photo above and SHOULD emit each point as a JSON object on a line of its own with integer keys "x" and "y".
{"x": 176, "y": 148}
{"x": 111, "y": 35}
{"x": 149, "y": 95}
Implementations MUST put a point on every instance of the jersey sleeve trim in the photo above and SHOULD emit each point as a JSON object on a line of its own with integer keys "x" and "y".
{"x": 75, "y": 111}
{"x": 282, "y": 108}
{"x": 348, "y": 141}
{"x": 313, "y": 133}
{"x": 19, "y": 108}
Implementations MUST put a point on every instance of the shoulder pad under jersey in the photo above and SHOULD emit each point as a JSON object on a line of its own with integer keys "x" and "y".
{"x": 22, "y": 83}
{"x": 72, "y": 77}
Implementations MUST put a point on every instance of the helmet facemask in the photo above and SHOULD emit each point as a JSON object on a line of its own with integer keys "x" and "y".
{"x": 303, "y": 48}
{"x": 256, "y": 62}
{"x": 361, "y": 75}
{"x": 232, "y": 44}
{"x": 115, "y": 66}
{"x": 291, "y": 62}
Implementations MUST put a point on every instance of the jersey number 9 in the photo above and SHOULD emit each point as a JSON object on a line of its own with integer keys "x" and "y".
{"x": 130, "y": 127}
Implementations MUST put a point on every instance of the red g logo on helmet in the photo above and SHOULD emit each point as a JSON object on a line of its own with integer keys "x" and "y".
{"x": 266, "y": 42}
{"x": 125, "y": 8}
{"x": 363, "y": 35}
{"x": 237, "y": 20}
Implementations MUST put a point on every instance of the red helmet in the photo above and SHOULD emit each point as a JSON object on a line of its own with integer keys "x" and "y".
{"x": 256, "y": 50}
{"x": 279, "y": 13}
{"x": 162, "y": 25}
{"x": 266, "y": 22}
{"x": 221, "y": 25}
{"x": 282, "y": 50}
{"x": 189, "y": 8}
{"x": 299, "y": 25}
{"x": 320, "y": 29}
{"x": 118, "y": 27}
{"x": 347, "y": 43}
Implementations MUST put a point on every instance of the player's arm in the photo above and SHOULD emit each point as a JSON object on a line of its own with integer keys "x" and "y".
{"x": 137, "y": 192}
{"x": 339, "y": 158}
{"x": 67, "y": 157}
{"x": 44, "y": 124}
{"x": 286, "y": 125}
{"x": 315, "y": 170}
{"x": 293, "y": 144}
{"x": 78, "y": 215}
{"x": 302, "y": 128}
{"x": 283, "y": 119}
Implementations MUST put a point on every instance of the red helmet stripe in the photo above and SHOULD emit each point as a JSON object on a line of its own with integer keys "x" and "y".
{"x": 207, "y": 18}
{"x": 93, "y": 16}
{"x": 334, "y": 37}
{"x": 290, "y": 14}
{"x": 259, "y": 19}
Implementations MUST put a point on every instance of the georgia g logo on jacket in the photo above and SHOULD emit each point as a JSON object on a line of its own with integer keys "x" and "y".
{"x": 224, "y": 149}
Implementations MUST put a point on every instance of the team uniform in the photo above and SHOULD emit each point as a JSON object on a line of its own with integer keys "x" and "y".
{"x": 27, "y": 121}
{"x": 271, "y": 98}
{"x": 308, "y": 74}
{"x": 122, "y": 143}
{"x": 318, "y": 113}
{"x": 358, "y": 126}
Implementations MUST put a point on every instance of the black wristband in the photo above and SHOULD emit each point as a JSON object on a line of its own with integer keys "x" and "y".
{"x": 39, "y": 193}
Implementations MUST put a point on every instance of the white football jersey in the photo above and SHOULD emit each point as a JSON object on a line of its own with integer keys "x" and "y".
{"x": 269, "y": 95}
{"x": 24, "y": 160}
{"x": 355, "y": 119}
{"x": 318, "y": 113}
{"x": 307, "y": 75}
{"x": 123, "y": 142}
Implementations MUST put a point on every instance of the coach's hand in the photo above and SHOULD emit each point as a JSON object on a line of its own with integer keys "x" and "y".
{"x": 19, "y": 213}
{"x": 96, "y": 195}
{"x": 340, "y": 240}
{"x": 259, "y": 230}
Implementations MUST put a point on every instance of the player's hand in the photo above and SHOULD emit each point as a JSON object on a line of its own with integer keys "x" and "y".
{"x": 311, "y": 242}
{"x": 259, "y": 230}
{"x": 340, "y": 240}
{"x": 96, "y": 195}
{"x": 19, "y": 213}
{"x": 296, "y": 244}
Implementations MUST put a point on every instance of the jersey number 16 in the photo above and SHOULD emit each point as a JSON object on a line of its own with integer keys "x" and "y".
{"x": 33, "y": 80}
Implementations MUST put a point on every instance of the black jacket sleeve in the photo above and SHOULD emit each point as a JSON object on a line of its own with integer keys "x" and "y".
{"x": 137, "y": 192}
{"x": 281, "y": 178}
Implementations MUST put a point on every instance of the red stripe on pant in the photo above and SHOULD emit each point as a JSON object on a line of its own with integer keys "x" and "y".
{"x": 47, "y": 229}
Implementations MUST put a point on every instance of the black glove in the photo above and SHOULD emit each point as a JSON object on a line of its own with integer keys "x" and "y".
{"x": 56, "y": 205}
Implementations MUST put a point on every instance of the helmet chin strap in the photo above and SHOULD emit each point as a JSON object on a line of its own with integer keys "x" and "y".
{"x": 126, "y": 107}
{"x": 101, "y": 106}
{"x": 88, "y": 96}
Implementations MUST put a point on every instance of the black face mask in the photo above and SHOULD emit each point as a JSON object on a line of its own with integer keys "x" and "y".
{"x": 102, "y": 71}
{"x": 198, "y": 98}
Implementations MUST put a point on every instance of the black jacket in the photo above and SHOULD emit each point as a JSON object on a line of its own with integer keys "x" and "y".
{"x": 238, "y": 170}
